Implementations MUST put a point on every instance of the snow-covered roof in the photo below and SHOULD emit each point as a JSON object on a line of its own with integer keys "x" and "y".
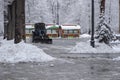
{"x": 52, "y": 26}
{"x": 66, "y": 27}
{"x": 70, "y": 27}
{"x": 28, "y": 26}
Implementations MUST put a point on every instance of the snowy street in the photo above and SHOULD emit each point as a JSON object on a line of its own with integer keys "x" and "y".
{"x": 66, "y": 66}
{"x": 74, "y": 69}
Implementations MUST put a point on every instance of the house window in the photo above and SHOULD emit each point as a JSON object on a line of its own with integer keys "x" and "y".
{"x": 65, "y": 32}
{"x": 71, "y": 31}
{"x": 75, "y": 32}
{"x": 49, "y": 32}
{"x": 54, "y": 32}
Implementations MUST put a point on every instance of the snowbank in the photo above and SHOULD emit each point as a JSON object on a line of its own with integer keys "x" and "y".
{"x": 84, "y": 47}
{"x": 117, "y": 59}
{"x": 22, "y": 52}
{"x": 85, "y": 36}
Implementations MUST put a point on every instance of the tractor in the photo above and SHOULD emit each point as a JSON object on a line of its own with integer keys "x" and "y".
{"x": 39, "y": 34}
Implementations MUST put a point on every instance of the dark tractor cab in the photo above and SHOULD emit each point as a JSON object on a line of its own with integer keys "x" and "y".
{"x": 39, "y": 35}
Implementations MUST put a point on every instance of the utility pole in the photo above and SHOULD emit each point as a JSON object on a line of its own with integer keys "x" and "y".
{"x": 92, "y": 33}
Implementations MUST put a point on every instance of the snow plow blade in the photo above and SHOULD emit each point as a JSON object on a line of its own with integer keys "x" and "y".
{"x": 46, "y": 41}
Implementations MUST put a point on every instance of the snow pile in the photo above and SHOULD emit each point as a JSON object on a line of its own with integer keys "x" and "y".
{"x": 117, "y": 47}
{"x": 1, "y": 37}
{"x": 84, "y": 47}
{"x": 85, "y": 36}
{"x": 117, "y": 59}
{"x": 22, "y": 52}
{"x": 116, "y": 41}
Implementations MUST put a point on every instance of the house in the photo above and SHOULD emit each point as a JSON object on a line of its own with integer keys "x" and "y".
{"x": 63, "y": 31}
{"x": 70, "y": 31}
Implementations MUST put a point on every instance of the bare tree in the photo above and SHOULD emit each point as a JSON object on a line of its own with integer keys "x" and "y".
{"x": 119, "y": 16}
{"x": 58, "y": 13}
{"x": 52, "y": 9}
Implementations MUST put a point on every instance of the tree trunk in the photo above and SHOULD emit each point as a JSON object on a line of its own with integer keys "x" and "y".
{"x": 5, "y": 24}
{"x": 20, "y": 21}
{"x": 9, "y": 27}
{"x": 16, "y": 21}
{"x": 119, "y": 16}
{"x": 102, "y": 7}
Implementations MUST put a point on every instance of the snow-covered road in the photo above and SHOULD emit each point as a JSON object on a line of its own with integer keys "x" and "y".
{"x": 66, "y": 66}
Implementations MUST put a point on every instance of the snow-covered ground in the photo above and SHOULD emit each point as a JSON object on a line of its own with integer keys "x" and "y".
{"x": 84, "y": 47}
{"x": 117, "y": 59}
{"x": 85, "y": 36}
{"x": 22, "y": 52}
